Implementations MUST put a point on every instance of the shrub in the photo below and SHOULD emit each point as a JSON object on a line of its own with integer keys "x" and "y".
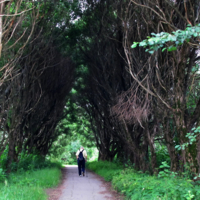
{"x": 137, "y": 185}
{"x": 27, "y": 162}
{"x": 162, "y": 154}
{"x": 2, "y": 175}
{"x": 3, "y": 159}
{"x": 33, "y": 162}
{"x": 140, "y": 186}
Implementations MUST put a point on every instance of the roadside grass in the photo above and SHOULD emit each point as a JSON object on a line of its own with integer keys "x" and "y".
{"x": 105, "y": 169}
{"x": 29, "y": 185}
{"x": 137, "y": 185}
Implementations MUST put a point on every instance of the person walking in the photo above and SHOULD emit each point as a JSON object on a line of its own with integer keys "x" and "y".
{"x": 81, "y": 156}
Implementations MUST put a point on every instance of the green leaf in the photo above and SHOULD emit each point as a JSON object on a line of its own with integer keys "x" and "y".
{"x": 172, "y": 48}
{"x": 195, "y": 34}
{"x": 134, "y": 44}
{"x": 143, "y": 43}
{"x": 151, "y": 52}
{"x": 151, "y": 42}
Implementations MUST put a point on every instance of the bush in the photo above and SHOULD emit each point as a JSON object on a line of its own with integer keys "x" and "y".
{"x": 137, "y": 185}
{"x": 140, "y": 186}
{"x": 33, "y": 162}
{"x": 3, "y": 159}
{"x": 162, "y": 154}
{"x": 27, "y": 162}
{"x": 2, "y": 175}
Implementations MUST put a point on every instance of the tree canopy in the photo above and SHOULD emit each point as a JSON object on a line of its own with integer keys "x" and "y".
{"x": 132, "y": 68}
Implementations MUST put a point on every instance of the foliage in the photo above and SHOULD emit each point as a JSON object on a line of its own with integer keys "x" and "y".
{"x": 105, "y": 169}
{"x": 93, "y": 154}
{"x": 166, "y": 171}
{"x": 162, "y": 154}
{"x": 176, "y": 38}
{"x": 28, "y": 162}
{"x": 47, "y": 177}
{"x": 74, "y": 131}
{"x": 191, "y": 138}
{"x": 137, "y": 185}
{"x": 2, "y": 175}
{"x": 110, "y": 78}
{"x": 66, "y": 154}
{"x": 30, "y": 184}
{"x": 71, "y": 150}
{"x": 141, "y": 186}
{"x": 42, "y": 77}
{"x": 3, "y": 158}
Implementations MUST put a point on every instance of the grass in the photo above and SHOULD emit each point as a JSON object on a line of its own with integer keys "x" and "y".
{"x": 15, "y": 192}
{"x": 105, "y": 169}
{"x": 29, "y": 185}
{"x": 137, "y": 185}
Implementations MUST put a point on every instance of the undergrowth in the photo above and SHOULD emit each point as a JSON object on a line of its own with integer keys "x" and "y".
{"x": 137, "y": 185}
{"x": 28, "y": 177}
{"x": 105, "y": 169}
{"x": 29, "y": 184}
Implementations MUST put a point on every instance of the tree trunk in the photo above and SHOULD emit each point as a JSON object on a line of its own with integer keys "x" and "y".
{"x": 11, "y": 151}
{"x": 198, "y": 153}
{"x": 152, "y": 148}
{"x": 172, "y": 152}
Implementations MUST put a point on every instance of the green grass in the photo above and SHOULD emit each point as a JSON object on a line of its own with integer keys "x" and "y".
{"x": 137, "y": 185}
{"x": 29, "y": 185}
{"x": 105, "y": 169}
{"x": 16, "y": 192}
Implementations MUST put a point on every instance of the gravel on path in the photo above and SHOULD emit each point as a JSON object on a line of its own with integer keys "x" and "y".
{"x": 89, "y": 187}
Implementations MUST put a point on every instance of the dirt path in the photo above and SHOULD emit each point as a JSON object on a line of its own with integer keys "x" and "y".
{"x": 90, "y": 187}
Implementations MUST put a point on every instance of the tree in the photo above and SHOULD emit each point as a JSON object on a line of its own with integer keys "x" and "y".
{"x": 36, "y": 91}
{"x": 165, "y": 77}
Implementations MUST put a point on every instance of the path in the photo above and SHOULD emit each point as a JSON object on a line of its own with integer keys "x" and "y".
{"x": 90, "y": 187}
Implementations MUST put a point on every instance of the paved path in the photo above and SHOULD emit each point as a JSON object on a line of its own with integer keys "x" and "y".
{"x": 90, "y": 187}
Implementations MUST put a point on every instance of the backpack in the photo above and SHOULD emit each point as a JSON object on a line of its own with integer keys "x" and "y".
{"x": 80, "y": 156}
